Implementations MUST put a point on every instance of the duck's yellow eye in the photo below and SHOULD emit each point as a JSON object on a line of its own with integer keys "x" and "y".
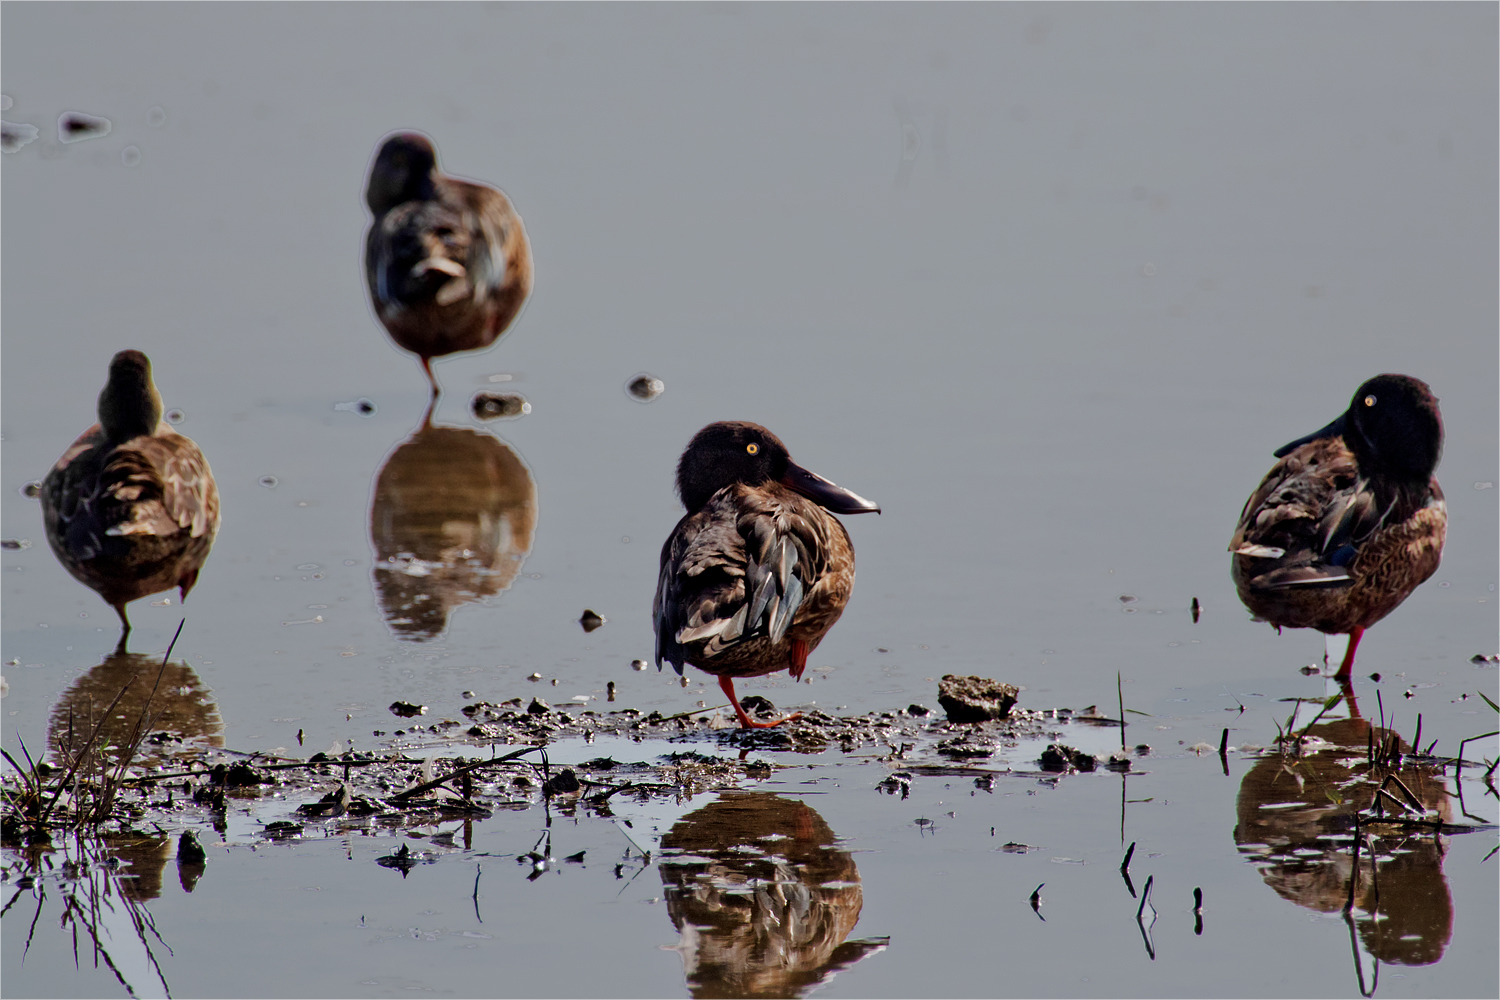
{"x": 1369, "y": 400}
{"x": 753, "y": 449}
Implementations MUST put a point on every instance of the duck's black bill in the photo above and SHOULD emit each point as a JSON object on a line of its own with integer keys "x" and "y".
{"x": 1335, "y": 429}
{"x": 824, "y": 493}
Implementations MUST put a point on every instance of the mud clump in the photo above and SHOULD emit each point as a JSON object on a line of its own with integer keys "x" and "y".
{"x": 975, "y": 699}
{"x": 1058, "y": 757}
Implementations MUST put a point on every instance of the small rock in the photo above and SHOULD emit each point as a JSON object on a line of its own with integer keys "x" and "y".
{"x": 638, "y": 664}
{"x": 534, "y": 677}
{"x": 645, "y": 387}
{"x": 918, "y": 710}
{"x": 966, "y": 746}
{"x": 499, "y": 405}
{"x": 561, "y": 784}
{"x": 407, "y": 710}
{"x": 591, "y": 620}
{"x": 1058, "y": 757}
{"x": 189, "y": 851}
{"x": 754, "y": 704}
{"x": 975, "y": 699}
{"x": 538, "y": 707}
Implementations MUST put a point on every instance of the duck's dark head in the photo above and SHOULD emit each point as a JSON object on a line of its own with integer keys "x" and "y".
{"x": 402, "y": 171}
{"x": 1393, "y": 425}
{"x": 736, "y": 451}
{"x": 129, "y": 406}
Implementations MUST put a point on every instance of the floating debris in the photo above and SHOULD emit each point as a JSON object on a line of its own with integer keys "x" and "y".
{"x": 644, "y": 387}
{"x": 1197, "y": 610}
{"x": 533, "y": 677}
{"x": 638, "y": 665}
{"x": 14, "y": 135}
{"x": 407, "y": 710}
{"x": 269, "y": 482}
{"x": 15, "y": 544}
{"x": 75, "y": 126}
{"x": 174, "y": 416}
{"x": 499, "y": 405}
{"x": 591, "y": 620}
{"x": 31, "y": 490}
{"x": 362, "y": 406}
{"x": 1128, "y": 599}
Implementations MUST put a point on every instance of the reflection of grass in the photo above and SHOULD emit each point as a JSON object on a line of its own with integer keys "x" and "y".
{"x": 94, "y": 896}
{"x": 93, "y": 772}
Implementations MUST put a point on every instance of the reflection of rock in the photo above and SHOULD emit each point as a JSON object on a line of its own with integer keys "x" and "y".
{"x": 143, "y": 859}
{"x": 1296, "y": 819}
{"x": 451, "y": 523}
{"x": 181, "y": 707}
{"x": 763, "y": 897}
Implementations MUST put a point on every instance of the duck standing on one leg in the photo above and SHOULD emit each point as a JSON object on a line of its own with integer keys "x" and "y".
{"x": 131, "y": 508}
{"x": 447, "y": 260}
{"x": 1351, "y": 520}
{"x": 759, "y": 570}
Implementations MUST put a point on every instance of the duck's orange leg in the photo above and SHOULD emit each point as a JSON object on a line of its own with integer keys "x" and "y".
{"x": 427, "y": 367}
{"x": 798, "y": 658}
{"x": 1347, "y": 667}
{"x": 726, "y": 683}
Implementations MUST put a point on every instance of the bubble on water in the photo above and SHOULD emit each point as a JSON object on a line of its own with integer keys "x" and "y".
{"x": 1485, "y": 485}
{"x": 174, "y": 416}
{"x": 14, "y": 135}
{"x": 1147, "y": 270}
{"x": 644, "y": 387}
{"x": 31, "y": 490}
{"x": 5, "y": 102}
{"x": 362, "y": 406}
{"x": 499, "y": 405}
{"x": 75, "y": 126}
{"x": 269, "y": 482}
{"x": 131, "y": 156}
{"x": 156, "y": 117}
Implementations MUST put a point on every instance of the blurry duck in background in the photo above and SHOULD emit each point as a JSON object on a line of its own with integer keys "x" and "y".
{"x": 759, "y": 570}
{"x": 447, "y": 260}
{"x": 1351, "y": 520}
{"x": 131, "y": 508}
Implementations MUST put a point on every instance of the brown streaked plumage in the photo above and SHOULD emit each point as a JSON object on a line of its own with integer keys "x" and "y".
{"x": 131, "y": 508}
{"x": 447, "y": 260}
{"x": 759, "y": 570}
{"x": 1351, "y": 520}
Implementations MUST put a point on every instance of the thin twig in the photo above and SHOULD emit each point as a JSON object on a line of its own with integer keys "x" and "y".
{"x": 435, "y": 782}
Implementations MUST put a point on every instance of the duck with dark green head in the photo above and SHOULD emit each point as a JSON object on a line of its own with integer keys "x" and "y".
{"x": 131, "y": 508}
{"x": 759, "y": 569}
{"x": 1351, "y": 520}
{"x": 447, "y": 260}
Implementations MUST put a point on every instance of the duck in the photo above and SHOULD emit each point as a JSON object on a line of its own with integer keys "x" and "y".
{"x": 447, "y": 260}
{"x": 758, "y": 569}
{"x": 131, "y": 508}
{"x": 1351, "y": 519}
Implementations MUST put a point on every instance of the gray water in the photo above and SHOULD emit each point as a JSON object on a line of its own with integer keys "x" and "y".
{"x": 1049, "y": 283}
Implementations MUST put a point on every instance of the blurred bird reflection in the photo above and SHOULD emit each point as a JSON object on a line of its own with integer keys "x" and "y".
{"x": 1296, "y": 822}
{"x": 177, "y": 715}
{"x": 451, "y": 523}
{"x": 762, "y": 896}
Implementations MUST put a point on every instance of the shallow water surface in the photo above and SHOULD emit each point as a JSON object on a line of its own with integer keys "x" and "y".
{"x": 1049, "y": 283}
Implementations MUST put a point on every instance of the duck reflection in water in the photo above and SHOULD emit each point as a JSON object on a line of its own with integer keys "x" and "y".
{"x": 451, "y": 523}
{"x": 1295, "y": 820}
{"x": 763, "y": 897}
{"x": 181, "y": 716}
{"x": 177, "y": 717}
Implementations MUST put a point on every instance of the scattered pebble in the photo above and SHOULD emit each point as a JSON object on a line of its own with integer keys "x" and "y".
{"x": 499, "y": 405}
{"x": 407, "y": 710}
{"x": 14, "y": 135}
{"x": 75, "y": 126}
{"x": 17, "y": 544}
{"x": 644, "y": 387}
{"x": 362, "y": 406}
{"x": 591, "y": 620}
{"x": 638, "y": 665}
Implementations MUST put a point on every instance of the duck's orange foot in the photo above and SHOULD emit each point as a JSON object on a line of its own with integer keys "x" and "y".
{"x": 726, "y": 684}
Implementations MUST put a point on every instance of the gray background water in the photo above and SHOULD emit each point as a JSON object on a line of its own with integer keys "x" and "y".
{"x": 1049, "y": 283}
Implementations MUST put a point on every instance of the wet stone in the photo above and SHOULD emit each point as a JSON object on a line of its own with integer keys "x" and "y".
{"x": 563, "y": 783}
{"x": 75, "y": 126}
{"x": 591, "y": 620}
{"x": 975, "y": 699}
{"x": 499, "y": 405}
{"x": 920, "y": 711}
{"x": 538, "y": 707}
{"x": 966, "y": 746}
{"x": 644, "y": 387}
{"x": 407, "y": 710}
{"x": 1059, "y": 757}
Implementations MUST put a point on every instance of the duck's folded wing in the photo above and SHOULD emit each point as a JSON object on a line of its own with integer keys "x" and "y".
{"x": 1303, "y": 526}
{"x": 700, "y": 591}
{"x": 189, "y": 495}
